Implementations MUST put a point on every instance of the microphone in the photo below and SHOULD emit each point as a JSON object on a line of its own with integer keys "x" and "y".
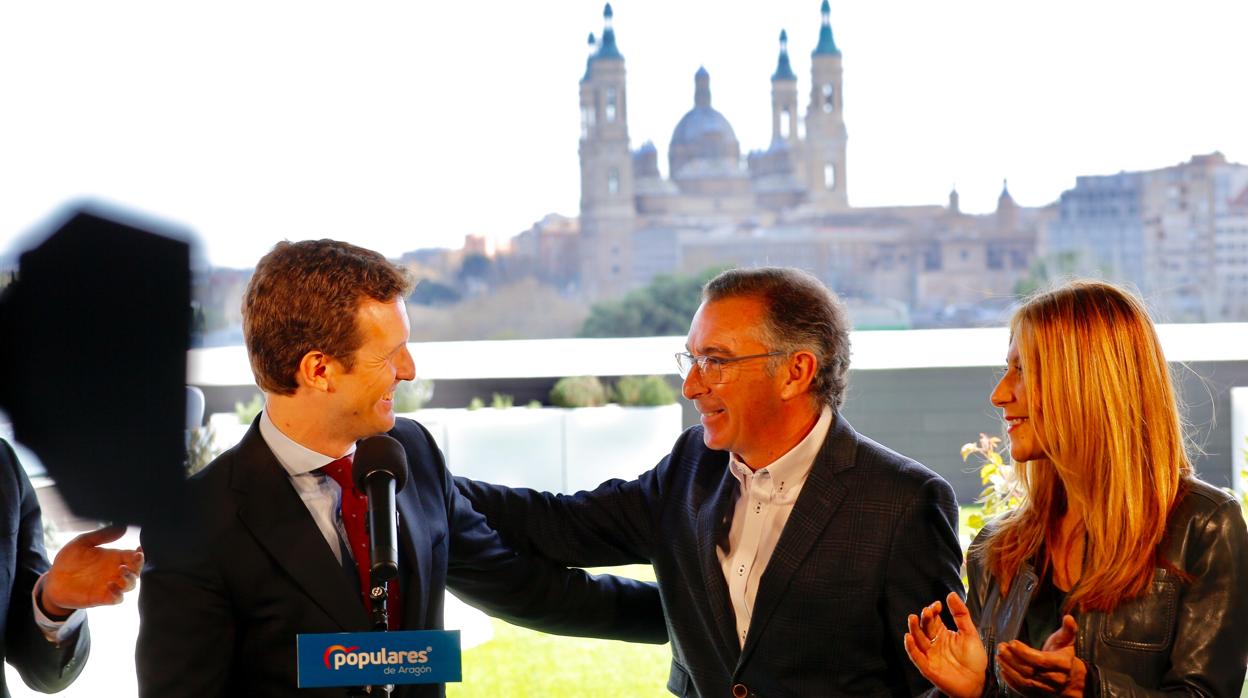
{"x": 381, "y": 471}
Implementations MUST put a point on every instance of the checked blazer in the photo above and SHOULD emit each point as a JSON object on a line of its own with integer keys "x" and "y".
{"x": 871, "y": 538}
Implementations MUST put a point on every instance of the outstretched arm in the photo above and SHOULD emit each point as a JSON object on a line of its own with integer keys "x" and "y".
{"x": 608, "y": 526}
{"x": 85, "y": 575}
{"x": 528, "y": 589}
{"x": 43, "y": 665}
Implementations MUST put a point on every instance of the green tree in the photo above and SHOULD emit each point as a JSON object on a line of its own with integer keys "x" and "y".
{"x": 1045, "y": 271}
{"x": 475, "y": 266}
{"x": 661, "y": 308}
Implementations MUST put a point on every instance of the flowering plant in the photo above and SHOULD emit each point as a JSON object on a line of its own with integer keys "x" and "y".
{"x": 1001, "y": 488}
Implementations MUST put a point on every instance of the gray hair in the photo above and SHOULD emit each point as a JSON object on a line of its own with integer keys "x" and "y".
{"x": 802, "y": 314}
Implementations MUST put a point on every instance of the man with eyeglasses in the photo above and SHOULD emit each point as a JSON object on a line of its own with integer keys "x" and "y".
{"x": 788, "y": 548}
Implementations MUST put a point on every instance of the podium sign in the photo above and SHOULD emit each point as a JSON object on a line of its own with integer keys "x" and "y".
{"x": 378, "y": 658}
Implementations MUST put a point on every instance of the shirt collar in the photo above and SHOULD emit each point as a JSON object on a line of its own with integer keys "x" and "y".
{"x": 296, "y": 458}
{"x": 796, "y": 463}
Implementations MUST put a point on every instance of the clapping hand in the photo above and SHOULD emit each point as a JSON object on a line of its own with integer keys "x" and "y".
{"x": 953, "y": 660}
{"x": 1051, "y": 671}
{"x": 85, "y": 575}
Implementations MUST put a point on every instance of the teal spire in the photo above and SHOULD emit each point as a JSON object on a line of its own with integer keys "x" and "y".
{"x": 608, "y": 49}
{"x": 593, "y": 49}
{"x": 826, "y": 46}
{"x": 784, "y": 71}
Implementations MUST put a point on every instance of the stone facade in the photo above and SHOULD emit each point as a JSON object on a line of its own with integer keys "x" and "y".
{"x": 1179, "y": 234}
{"x": 787, "y": 204}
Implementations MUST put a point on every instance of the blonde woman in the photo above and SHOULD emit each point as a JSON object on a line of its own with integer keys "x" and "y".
{"x": 1120, "y": 573}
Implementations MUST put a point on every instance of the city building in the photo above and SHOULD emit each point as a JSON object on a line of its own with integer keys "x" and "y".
{"x": 1179, "y": 234}
{"x": 788, "y": 204}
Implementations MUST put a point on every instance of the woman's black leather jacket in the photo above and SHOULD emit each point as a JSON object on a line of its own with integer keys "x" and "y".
{"x": 1184, "y": 637}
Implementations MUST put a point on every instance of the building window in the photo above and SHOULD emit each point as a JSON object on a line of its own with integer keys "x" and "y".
{"x": 610, "y": 105}
{"x": 1018, "y": 259}
{"x": 829, "y": 176}
{"x": 829, "y": 93}
{"x": 996, "y": 257}
{"x": 587, "y": 121}
{"x": 613, "y": 182}
{"x": 786, "y": 123}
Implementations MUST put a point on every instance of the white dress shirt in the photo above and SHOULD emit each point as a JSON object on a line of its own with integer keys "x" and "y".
{"x": 765, "y": 500}
{"x": 56, "y": 631}
{"x": 320, "y": 493}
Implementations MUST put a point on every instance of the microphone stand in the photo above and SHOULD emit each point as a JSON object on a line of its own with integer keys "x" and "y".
{"x": 378, "y": 596}
{"x": 381, "y": 472}
{"x": 380, "y": 614}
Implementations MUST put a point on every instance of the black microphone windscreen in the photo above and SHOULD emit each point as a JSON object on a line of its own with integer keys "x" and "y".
{"x": 380, "y": 453}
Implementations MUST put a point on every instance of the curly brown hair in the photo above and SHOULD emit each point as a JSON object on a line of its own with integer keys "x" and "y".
{"x": 303, "y": 297}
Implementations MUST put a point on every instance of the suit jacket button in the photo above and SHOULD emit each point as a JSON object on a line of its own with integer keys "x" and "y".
{"x": 740, "y": 691}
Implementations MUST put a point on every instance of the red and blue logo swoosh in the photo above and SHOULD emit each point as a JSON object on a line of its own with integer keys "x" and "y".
{"x": 337, "y": 648}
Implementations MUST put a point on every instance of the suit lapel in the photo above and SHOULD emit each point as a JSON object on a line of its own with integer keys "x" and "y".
{"x": 273, "y": 512}
{"x": 711, "y": 530}
{"x": 820, "y": 497}
{"x": 414, "y": 562}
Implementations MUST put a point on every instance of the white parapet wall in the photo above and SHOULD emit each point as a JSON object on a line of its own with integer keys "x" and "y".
{"x": 553, "y": 449}
{"x": 638, "y": 356}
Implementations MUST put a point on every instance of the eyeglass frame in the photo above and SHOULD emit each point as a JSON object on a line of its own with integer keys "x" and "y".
{"x": 719, "y": 362}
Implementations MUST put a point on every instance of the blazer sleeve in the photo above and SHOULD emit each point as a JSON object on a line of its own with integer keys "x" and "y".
{"x": 614, "y": 524}
{"x": 924, "y": 564}
{"x": 530, "y": 590}
{"x": 44, "y": 666}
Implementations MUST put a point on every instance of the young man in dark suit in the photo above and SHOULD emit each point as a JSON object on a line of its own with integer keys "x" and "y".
{"x": 326, "y": 331}
{"x": 788, "y": 547}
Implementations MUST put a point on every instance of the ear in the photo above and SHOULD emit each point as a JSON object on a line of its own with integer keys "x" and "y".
{"x": 798, "y": 373}
{"x": 315, "y": 371}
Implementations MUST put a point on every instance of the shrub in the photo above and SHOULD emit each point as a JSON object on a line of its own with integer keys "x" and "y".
{"x": 501, "y": 401}
{"x": 643, "y": 391}
{"x": 412, "y": 395}
{"x": 476, "y": 403}
{"x": 247, "y": 412}
{"x": 578, "y": 391}
{"x": 199, "y": 449}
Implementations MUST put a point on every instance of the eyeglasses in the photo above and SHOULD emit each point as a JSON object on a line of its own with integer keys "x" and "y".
{"x": 712, "y": 367}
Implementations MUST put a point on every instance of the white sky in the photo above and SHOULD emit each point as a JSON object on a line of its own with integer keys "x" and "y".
{"x": 404, "y": 124}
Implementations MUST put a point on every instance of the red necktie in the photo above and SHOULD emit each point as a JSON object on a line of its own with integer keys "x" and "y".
{"x": 354, "y": 521}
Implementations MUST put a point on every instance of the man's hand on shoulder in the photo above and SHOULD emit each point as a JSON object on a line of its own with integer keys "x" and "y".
{"x": 85, "y": 575}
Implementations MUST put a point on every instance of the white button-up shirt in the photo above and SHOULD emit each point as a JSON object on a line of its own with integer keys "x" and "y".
{"x": 320, "y": 493}
{"x": 763, "y": 507}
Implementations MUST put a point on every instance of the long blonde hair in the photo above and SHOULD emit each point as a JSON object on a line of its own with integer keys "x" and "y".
{"x": 1103, "y": 407}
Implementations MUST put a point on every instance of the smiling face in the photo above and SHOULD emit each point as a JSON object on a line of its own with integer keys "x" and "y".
{"x": 745, "y": 413}
{"x": 363, "y": 398}
{"x": 1011, "y": 396}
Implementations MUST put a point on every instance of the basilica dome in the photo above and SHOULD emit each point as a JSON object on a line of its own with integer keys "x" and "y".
{"x": 703, "y": 141}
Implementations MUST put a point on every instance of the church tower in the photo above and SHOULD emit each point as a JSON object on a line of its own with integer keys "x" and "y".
{"x": 607, "y": 204}
{"x": 784, "y": 97}
{"x": 825, "y": 123}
